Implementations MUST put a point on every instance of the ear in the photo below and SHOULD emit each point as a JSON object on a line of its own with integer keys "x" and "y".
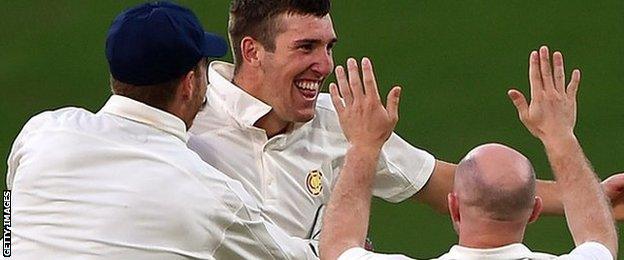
{"x": 453, "y": 205}
{"x": 187, "y": 86}
{"x": 251, "y": 51}
{"x": 537, "y": 209}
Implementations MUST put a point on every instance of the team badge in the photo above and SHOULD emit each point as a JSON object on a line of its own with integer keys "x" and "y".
{"x": 314, "y": 182}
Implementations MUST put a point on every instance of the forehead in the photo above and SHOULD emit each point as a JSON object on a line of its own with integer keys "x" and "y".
{"x": 296, "y": 26}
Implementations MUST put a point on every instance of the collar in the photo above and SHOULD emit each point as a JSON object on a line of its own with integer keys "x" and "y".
{"x": 136, "y": 111}
{"x": 514, "y": 249}
{"x": 243, "y": 107}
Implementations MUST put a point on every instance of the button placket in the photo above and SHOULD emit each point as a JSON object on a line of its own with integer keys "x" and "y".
{"x": 270, "y": 146}
{"x": 260, "y": 142}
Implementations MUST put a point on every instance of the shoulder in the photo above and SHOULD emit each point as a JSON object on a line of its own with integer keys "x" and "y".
{"x": 589, "y": 250}
{"x": 60, "y": 117}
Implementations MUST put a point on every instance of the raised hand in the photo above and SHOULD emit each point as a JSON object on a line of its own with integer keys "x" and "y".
{"x": 552, "y": 111}
{"x": 551, "y": 117}
{"x": 363, "y": 118}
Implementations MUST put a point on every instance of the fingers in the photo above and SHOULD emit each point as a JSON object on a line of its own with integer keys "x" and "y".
{"x": 351, "y": 89}
{"x": 370, "y": 84}
{"x": 520, "y": 102}
{"x": 343, "y": 85}
{"x": 535, "y": 77}
{"x": 544, "y": 60}
{"x": 354, "y": 79}
{"x": 559, "y": 72}
{"x": 574, "y": 84}
{"x": 335, "y": 97}
{"x": 392, "y": 103}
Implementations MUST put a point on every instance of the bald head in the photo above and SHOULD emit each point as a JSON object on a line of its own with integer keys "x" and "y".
{"x": 496, "y": 180}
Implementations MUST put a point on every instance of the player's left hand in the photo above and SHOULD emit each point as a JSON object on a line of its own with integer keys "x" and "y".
{"x": 552, "y": 111}
{"x": 614, "y": 189}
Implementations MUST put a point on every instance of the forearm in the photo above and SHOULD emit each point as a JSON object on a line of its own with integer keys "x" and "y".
{"x": 346, "y": 219}
{"x": 586, "y": 207}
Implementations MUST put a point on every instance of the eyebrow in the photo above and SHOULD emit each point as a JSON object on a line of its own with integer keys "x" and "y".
{"x": 314, "y": 41}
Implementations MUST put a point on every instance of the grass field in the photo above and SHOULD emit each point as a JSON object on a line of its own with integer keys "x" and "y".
{"x": 455, "y": 60}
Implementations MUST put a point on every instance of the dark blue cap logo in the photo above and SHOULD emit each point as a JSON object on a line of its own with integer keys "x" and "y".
{"x": 158, "y": 42}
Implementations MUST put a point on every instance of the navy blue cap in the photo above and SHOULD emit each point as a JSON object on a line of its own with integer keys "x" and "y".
{"x": 157, "y": 42}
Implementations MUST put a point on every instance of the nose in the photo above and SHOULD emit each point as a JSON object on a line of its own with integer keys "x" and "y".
{"x": 324, "y": 63}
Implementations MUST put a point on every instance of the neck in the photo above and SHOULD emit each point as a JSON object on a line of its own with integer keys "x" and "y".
{"x": 247, "y": 81}
{"x": 487, "y": 233}
{"x": 178, "y": 110}
{"x": 270, "y": 123}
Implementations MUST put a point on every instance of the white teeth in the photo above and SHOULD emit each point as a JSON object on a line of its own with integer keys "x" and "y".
{"x": 309, "y": 85}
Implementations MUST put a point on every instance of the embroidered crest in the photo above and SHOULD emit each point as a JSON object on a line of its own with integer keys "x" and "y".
{"x": 314, "y": 182}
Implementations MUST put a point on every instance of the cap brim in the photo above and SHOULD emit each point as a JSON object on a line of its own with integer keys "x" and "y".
{"x": 216, "y": 46}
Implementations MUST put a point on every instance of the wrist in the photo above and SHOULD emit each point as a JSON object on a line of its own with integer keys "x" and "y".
{"x": 557, "y": 142}
{"x": 367, "y": 151}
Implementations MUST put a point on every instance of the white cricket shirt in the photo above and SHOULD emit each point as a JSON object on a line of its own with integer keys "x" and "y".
{"x": 585, "y": 251}
{"x": 291, "y": 175}
{"x": 121, "y": 184}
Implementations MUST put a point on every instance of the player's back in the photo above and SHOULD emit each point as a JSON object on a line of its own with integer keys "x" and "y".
{"x": 102, "y": 186}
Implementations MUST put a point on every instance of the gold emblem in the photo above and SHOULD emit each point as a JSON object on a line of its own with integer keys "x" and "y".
{"x": 314, "y": 182}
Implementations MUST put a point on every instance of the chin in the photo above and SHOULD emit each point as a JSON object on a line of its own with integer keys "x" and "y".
{"x": 304, "y": 116}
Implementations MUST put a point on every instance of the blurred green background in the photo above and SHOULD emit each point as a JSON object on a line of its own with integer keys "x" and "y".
{"x": 455, "y": 60}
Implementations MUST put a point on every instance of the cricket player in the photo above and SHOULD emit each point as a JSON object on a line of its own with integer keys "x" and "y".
{"x": 267, "y": 125}
{"x": 121, "y": 183}
{"x": 493, "y": 197}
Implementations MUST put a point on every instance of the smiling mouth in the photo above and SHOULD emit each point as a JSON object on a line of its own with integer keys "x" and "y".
{"x": 308, "y": 88}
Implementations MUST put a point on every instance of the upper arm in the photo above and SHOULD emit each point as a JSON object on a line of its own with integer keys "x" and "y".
{"x": 250, "y": 236}
{"x": 440, "y": 184}
{"x": 12, "y": 164}
{"x": 255, "y": 240}
{"x": 15, "y": 156}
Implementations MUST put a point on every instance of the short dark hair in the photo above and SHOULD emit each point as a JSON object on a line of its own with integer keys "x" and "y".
{"x": 158, "y": 95}
{"x": 257, "y": 18}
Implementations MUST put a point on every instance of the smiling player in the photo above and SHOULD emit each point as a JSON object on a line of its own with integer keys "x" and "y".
{"x": 266, "y": 124}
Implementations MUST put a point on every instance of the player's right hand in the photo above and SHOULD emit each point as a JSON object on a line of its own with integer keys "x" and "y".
{"x": 363, "y": 118}
{"x": 552, "y": 111}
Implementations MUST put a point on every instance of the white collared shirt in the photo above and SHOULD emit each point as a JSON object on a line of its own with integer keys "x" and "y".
{"x": 121, "y": 184}
{"x": 585, "y": 251}
{"x": 291, "y": 175}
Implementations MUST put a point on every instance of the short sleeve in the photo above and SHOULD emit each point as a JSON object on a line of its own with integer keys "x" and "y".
{"x": 402, "y": 171}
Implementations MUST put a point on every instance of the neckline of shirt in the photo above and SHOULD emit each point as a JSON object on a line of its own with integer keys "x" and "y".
{"x": 136, "y": 111}
{"x": 516, "y": 248}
